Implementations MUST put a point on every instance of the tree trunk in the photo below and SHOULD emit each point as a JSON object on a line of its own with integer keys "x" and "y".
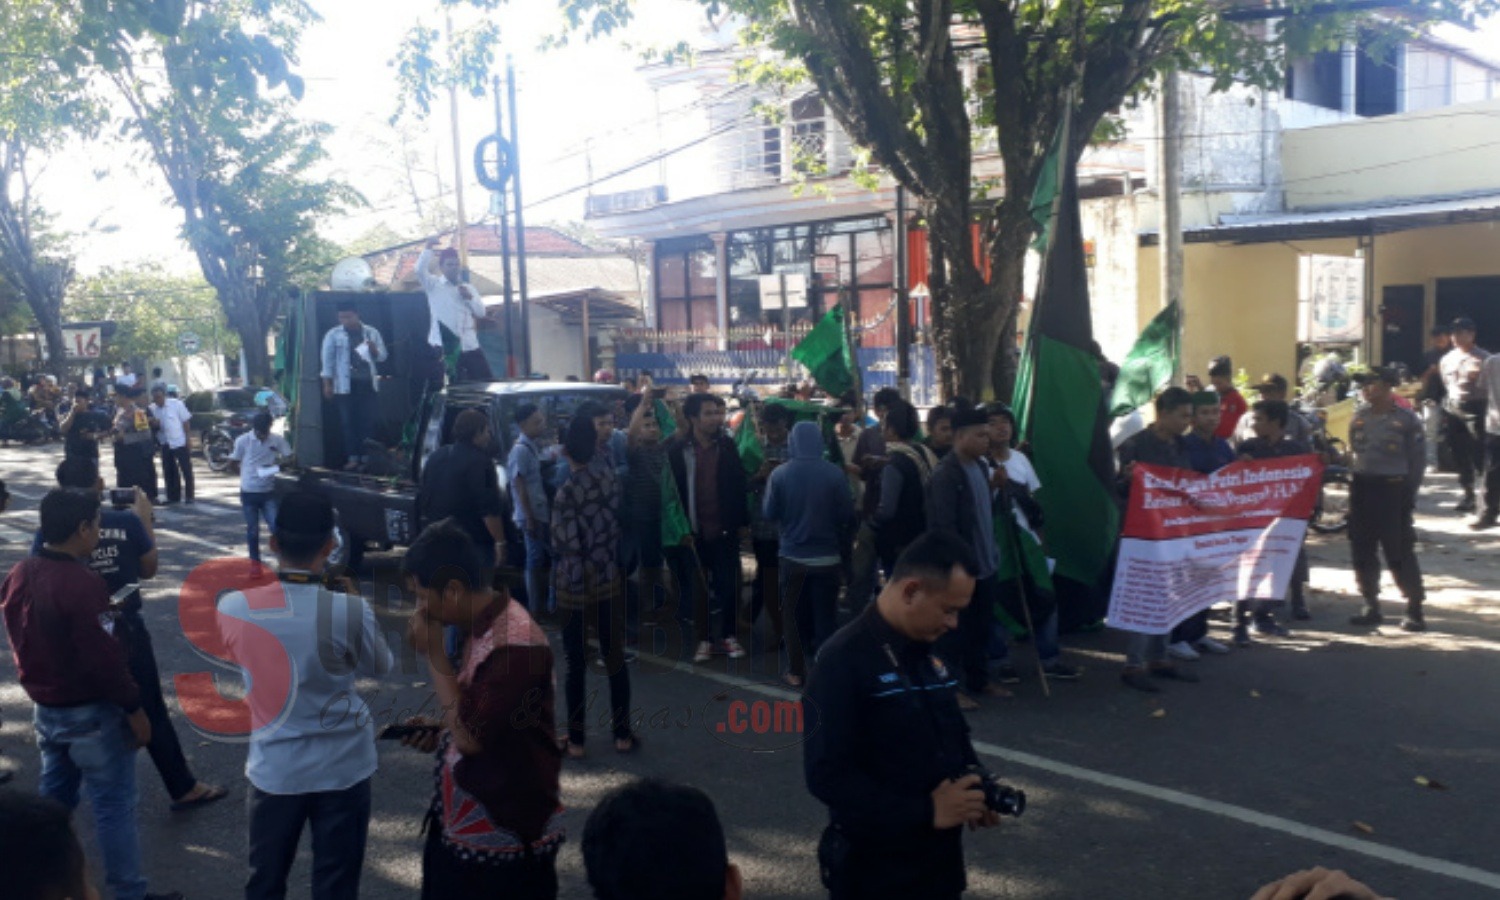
{"x": 238, "y": 302}
{"x": 1007, "y": 255}
{"x": 969, "y": 313}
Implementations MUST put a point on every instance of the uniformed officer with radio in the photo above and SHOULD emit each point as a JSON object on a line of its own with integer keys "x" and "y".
{"x": 1389, "y": 458}
{"x": 888, "y": 749}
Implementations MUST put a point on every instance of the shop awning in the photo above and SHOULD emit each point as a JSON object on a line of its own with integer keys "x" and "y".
{"x": 1340, "y": 223}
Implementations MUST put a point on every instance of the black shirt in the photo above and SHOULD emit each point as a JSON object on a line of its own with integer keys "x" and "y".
{"x": 123, "y": 540}
{"x": 459, "y": 480}
{"x": 884, "y": 729}
{"x": 359, "y": 370}
{"x": 75, "y": 444}
{"x": 1260, "y": 448}
{"x": 1433, "y": 388}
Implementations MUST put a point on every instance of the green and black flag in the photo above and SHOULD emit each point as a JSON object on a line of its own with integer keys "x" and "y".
{"x": 1149, "y": 366}
{"x": 1060, "y": 408}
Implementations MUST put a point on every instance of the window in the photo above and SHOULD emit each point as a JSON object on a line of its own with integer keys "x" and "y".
{"x": 686, "y": 285}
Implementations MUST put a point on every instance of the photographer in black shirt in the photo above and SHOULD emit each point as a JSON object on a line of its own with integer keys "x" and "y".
{"x": 888, "y": 749}
{"x": 126, "y": 556}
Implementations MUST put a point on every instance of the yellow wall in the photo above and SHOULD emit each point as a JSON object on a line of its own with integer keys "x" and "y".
{"x": 1434, "y": 153}
{"x": 1242, "y": 299}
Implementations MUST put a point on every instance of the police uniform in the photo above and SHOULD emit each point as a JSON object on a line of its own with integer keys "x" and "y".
{"x": 884, "y": 730}
{"x": 1390, "y": 454}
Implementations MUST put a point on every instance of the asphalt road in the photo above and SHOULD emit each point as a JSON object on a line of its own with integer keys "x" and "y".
{"x": 1297, "y": 752}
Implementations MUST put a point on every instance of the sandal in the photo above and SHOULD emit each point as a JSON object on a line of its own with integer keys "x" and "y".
{"x": 792, "y": 681}
{"x": 632, "y": 744}
{"x": 206, "y": 794}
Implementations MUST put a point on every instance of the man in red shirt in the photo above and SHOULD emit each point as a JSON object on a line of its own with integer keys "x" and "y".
{"x": 1232, "y": 404}
{"x": 89, "y": 721}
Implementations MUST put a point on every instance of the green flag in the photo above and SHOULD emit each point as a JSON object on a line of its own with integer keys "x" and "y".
{"x": 1148, "y": 366}
{"x": 825, "y": 352}
{"x": 664, "y": 419}
{"x": 674, "y": 520}
{"x": 747, "y": 441}
{"x": 1044, "y": 198}
{"x": 1060, "y": 408}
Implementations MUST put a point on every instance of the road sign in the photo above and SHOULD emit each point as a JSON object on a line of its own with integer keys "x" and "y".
{"x": 188, "y": 343}
{"x": 82, "y": 343}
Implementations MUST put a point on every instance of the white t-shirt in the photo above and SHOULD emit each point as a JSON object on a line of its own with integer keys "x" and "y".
{"x": 126, "y": 379}
{"x": 174, "y": 417}
{"x": 257, "y": 459}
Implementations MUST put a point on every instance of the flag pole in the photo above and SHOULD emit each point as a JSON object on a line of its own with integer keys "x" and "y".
{"x": 1015, "y": 540}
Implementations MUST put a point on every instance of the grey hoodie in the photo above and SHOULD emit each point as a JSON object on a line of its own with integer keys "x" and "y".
{"x": 809, "y": 497}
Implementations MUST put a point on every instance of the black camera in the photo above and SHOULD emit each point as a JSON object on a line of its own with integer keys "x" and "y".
{"x": 1001, "y": 799}
{"x": 122, "y": 498}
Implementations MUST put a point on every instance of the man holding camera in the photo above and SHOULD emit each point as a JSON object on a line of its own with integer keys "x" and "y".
{"x": 888, "y": 749}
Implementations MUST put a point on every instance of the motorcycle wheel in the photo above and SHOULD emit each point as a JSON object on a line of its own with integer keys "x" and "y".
{"x": 216, "y": 449}
{"x": 1332, "y": 512}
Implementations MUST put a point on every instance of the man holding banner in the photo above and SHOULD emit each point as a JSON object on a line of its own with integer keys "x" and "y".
{"x": 1390, "y": 456}
{"x": 1193, "y": 540}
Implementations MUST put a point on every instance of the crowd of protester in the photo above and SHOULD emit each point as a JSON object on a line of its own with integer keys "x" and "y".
{"x": 848, "y": 518}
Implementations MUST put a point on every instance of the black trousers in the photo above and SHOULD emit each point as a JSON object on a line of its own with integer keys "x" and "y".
{"x": 1464, "y": 431}
{"x": 165, "y": 749}
{"x": 1380, "y": 519}
{"x": 1191, "y": 630}
{"x": 765, "y": 592}
{"x": 1492, "y": 474}
{"x": 473, "y": 366}
{"x": 135, "y": 466}
{"x": 607, "y": 618}
{"x": 340, "y": 824}
{"x": 968, "y": 646}
{"x": 177, "y": 466}
{"x": 447, "y": 877}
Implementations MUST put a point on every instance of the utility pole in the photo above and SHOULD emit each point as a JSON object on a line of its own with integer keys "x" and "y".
{"x": 515, "y": 174}
{"x": 458, "y": 166}
{"x": 1169, "y": 195}
{"x": 504, "y": 233}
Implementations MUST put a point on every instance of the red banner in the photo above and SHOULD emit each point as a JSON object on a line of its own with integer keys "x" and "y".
{"x": 1193, "y": 540}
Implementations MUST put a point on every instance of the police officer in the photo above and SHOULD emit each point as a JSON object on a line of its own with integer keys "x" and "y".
{"x": 888, "y": 749}
{"x": 127, "y": 555}
{"x": 1390, "y": 455}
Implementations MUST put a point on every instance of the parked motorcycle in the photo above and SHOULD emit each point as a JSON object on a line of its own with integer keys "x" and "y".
{"x": 218, "y": 441}
{"x": 28, "y": 428}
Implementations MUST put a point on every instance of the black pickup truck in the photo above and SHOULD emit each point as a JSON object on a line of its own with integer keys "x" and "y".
{"x": 378, "y": 507}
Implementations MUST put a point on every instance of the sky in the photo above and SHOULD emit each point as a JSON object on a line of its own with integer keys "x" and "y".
{"x": 106, "y": 195}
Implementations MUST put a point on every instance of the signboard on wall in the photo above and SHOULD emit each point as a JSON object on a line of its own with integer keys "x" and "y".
{"x": 82, "y": 342}
{"x": 1335, "y": 289}
{"x": 771, "y": 287}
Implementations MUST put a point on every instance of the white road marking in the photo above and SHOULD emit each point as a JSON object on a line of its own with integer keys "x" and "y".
{"x": 1433, "y": 865}
{"x": 218, "y": 549}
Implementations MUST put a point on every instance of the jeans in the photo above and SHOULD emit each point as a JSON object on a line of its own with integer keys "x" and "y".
{"x": 177, "y": 466}
{"x": 539, "y": 596}
{"x": 255, "y": 506}
{"x": 641, "y": 558}
{"x": 716, "y": 581}
{"x": 1144, "y": 649}
{"x": 165, "y": 749}
{"x": 93, "y": 745}
{"x": 357, "y": 411}
{"x": 809, "y": 610}
{"x": 340, "y": 823}
{"x": 607, "y": 618}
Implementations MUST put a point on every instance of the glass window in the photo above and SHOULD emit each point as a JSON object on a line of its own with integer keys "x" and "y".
{"x": 874, "y": 257}
{"x": 703, "y": 273}
{"x": 671, "y": 279}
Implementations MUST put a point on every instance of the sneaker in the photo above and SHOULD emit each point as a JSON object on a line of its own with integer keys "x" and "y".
{"x": 1413, "y": 625}
{"x": 732, "y": 648}
{"x": 1209, "y": 645}
{"x": 1138, "y": 679}
{"x": 1272, "y": 628}
{"x": 1485, "y": 522}
{"x": 704, "y": 653}
{"x": 1242, "y": 636}
{"x": 1467, "y": 505}
{"x": 1367, "y": 619}
{"x": 1182, "y": 650}
{"x": 1174, "y": 673}
{"x": 1005, "y": 673}
{"x": 1061, "y": 671}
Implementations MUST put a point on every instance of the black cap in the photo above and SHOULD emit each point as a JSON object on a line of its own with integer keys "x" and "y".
{"x": 1378, "y": 373}
{"x": 968, "y": 417}
{"x": 1464, "y": 323}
